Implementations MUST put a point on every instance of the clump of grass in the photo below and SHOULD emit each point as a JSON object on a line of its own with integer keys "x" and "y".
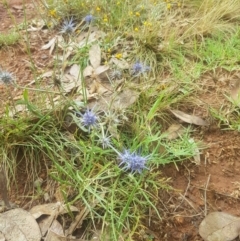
{"x": 8, "y": 39}
{"x": 112, "y": 161}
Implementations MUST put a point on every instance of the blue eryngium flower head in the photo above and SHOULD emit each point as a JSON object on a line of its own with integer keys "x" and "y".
{"x": 88, "y": 19}
{"x": 132, "y": 161}
{"x": 68, "y": 26}
{"x": 139, "y": 68}
{"x": 89, "y": 119}
{"x": 6, "y": 77}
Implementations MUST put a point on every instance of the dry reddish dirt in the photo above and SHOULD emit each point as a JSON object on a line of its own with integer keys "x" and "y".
{"x": 212, "y": 185}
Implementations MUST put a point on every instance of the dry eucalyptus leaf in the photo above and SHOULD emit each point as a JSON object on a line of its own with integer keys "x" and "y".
{"x": 88, "y": 71}
{"x": 68, "y": 83}
{"x": 191, "y": 119}
{"x": 123, "y": 100}
{"x": 219, "y": 226}
{"x": 36, "y": 25}
{"x": 174, "y": 131}
{"x": 75, "y": 71}
{"x": 50, "y": 208}
{"x": 101, "y": 69}
{"x": 16, "y": 223}
{"x": 52, "y": 236}
{"x": 120, "y": 63}
{"x": 51, "y": 44}
{"x": 95, "y": 55}
{"x": 86, "y": 38}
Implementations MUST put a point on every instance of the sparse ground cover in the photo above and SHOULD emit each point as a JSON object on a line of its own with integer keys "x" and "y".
{"x": 127, "y": 110}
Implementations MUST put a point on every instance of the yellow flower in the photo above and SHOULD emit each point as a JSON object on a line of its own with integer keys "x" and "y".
{"x": 137, "y": 14}
{"x": 105, "y": 18}
{"x": 109, "y": 50}
{"x": 130, "y": 13}
{"x": 118, "y": 3}
{"x": 169, "y": 6}
{"x": 147, "y": 24}
{"x": 118, "y": 56}
{"x": 136, "y": 29}
{"x": 179, "y": 5}
{"x": 98, "y": 9}
{"x": 53, "y": 13}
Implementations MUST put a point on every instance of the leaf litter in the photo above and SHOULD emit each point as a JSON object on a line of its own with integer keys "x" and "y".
{"x": 220, "y": 226}
{"x": 191, "y": 119}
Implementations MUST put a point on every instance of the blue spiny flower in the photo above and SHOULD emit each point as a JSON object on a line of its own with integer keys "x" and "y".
{"x": 132, "y": 161}
{"x": 89, "y": 119}
{"x": 68, "y": 26}
{"x": 6, "y": 77}
{"x": 139, "y": 68}
{"x": 88, "y": 19}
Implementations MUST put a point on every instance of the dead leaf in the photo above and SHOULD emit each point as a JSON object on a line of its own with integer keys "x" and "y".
{"x": 52, "y": 236}
{"x": 101, "y": 69}
{"x": 122, "y": 100}
{"x": 68, "y": 82}
{"x": 51, "y": 44}
{"x": 16, "y": 223}
{"x": 191, "y": 119}
{"x": 174, "y": 131}
{"x": 88, "y": 71}
{"x": 75, "y": 71}
{"x": 219, "y": 226}
{"x": 36, "y": 25}
{"x": 120, "y": 63}
{"x": 86, "y": 38}
{"x": 50, "y": 208}
{"x": 95, "y": 56}
{"x": 46, "y": 215}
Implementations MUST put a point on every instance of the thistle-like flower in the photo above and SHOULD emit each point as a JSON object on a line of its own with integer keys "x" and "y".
{"x": 104, "y": 139}
{"x": 6, "y": 77}
{"x": 89, "y": 119}
{"x": 132, "y": 161}
{"x": 88, "y": 19}
{"x": 68, "y": 26}
{"x": 115, "y": 74}
{"x": 139, "y": 68}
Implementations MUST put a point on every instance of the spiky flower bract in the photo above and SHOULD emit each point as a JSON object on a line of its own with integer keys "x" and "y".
{"x": 68, "y": 26}
{"x": 89, "y": 119}
{"x": 139, "y": 68}
{"x": 116, "y": 74}
{"x": 132, "y": 161}
{"x": 6, "y": 77}
{"x": 88, "y": 19}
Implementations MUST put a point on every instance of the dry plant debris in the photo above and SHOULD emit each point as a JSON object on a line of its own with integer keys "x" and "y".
{"x": 220, "y": 226}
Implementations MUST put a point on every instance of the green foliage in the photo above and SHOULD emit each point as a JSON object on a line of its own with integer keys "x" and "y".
{"x": 7, "y": 39}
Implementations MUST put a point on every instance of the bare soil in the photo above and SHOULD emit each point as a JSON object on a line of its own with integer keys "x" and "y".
{"x": 212, "y": 185}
